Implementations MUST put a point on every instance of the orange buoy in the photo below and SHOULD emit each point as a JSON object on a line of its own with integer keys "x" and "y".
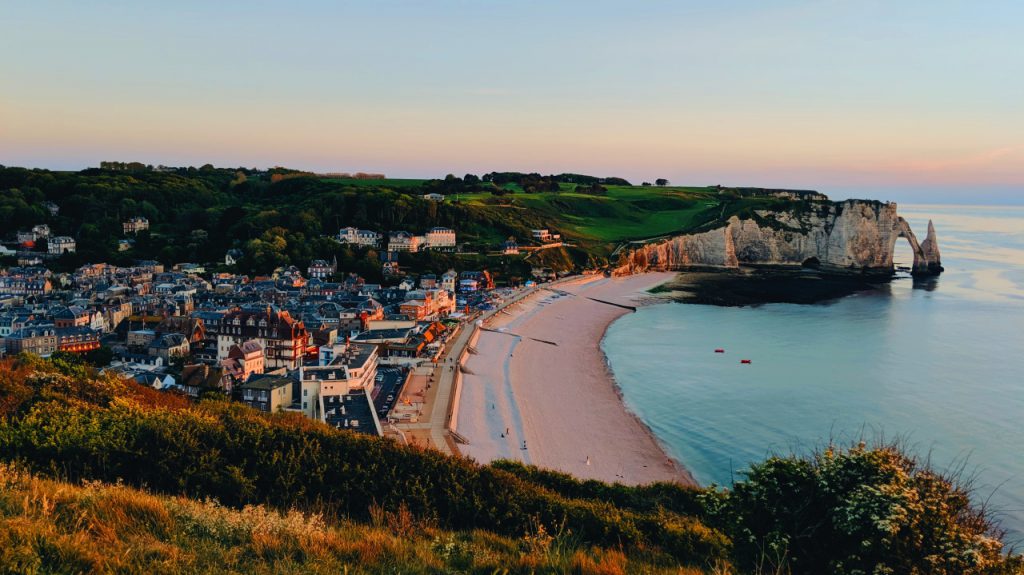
{"x": 719, "y": 350}
{"x": 744, "y": 361}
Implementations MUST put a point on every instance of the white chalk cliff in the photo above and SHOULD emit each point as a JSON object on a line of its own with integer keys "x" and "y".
{"x": 854, "y": 236}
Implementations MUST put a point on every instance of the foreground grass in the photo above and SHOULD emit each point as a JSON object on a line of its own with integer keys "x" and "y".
{"x": 47, "y": 526}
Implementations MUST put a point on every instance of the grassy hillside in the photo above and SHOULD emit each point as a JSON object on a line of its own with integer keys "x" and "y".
{"x": 49, "y": 526}
{"x": 283, "y": 217}
{"x": 298, "y": 495}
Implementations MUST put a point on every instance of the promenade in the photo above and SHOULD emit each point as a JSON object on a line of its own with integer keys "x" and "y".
{"x": 436, "y": 383}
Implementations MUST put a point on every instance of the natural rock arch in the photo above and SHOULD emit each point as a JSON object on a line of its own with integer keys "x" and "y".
{"x": 927, "y": 260}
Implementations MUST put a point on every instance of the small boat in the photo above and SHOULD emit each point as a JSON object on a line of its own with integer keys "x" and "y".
{"x": 744, "y": 361}
{"x": 719, "y": 350}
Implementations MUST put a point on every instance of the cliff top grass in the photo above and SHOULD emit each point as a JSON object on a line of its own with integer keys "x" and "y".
{"x": 623, "y": 213}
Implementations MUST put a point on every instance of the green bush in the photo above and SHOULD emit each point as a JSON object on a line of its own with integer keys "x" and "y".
{"x": 859, "y": 510}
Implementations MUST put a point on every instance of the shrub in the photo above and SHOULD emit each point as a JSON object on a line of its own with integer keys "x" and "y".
{"x": 859, "y": 510}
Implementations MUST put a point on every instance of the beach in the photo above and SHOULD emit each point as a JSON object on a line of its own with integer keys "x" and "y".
{"x": 537, "y": 378}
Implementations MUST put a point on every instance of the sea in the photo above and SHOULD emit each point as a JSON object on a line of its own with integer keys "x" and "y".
{"x": 936, "y": 364}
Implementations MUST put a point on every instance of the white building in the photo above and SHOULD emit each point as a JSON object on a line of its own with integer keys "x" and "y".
{"x": 449, "y": 280}
{"x": 61, "y": 245}
{"x": 41, "y": 231}
{"x": 433, "y": 197}
{"x": 342, "y": 369}
{"x": 404, "y": 242}
{"x": 358, "y": 237}
{"x": 441, "y": 238}
{"x": 135, "y": 225}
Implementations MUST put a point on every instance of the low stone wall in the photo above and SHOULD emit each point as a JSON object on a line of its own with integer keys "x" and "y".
{"x": 453, "y": 414}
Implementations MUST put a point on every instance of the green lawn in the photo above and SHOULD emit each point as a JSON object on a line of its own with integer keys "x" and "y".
{"x": 624, "y": 213}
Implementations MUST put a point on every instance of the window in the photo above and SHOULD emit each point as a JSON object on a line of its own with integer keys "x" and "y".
{"x": 305, "y": 393}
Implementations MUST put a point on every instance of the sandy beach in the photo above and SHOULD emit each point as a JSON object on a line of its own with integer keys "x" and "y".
{"x": 559, "y": 401}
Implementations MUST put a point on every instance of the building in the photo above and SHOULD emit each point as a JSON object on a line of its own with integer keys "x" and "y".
{"x": 77, "y": 339}
{"x": 422, "y": 305}
{"x": 283, "y": 338}
{"x": 417, "y": 310}
{"x": 201, "y": 378}
{"x": 404, "y": 242}
{"x": 232, "y": 256}
{"x": 510, "y": 247}
{"x": 472, "y": 281}
{"x": 59, "y": 245}
{"x": 169, "y": 346}
{"x": 341, "y": 370}
{"x": 359, "y": 237}
{"x": 191, "y": 327}
{"x": 542, "y": 235}
{"x": 135, "y": 225}
{"x": 140, "y": 338}
{"x": 190, "y": 268}
{"x": 268, "y": 393}
{"x": 440, "y": 238}
{"x": 434, "y": 197}
{"x": 12, "y": 322}
{"x": 321, "y": 269}
{"x": 428, "y": 281}
{"x": 449, "y": 280}
{"x": 244, "y": 361}
{"x": 40, "y": 340}
{"x": 353, "y": 412}
{"x": 128, "y": 362}
{"x": 71, "y": 316}
{"x": 125, "y": 245}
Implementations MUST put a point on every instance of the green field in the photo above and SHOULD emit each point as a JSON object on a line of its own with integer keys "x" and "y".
{"x": 625, "y": 213}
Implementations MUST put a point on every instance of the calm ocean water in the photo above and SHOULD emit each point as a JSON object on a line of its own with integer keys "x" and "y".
{"x": 939, "y": 364}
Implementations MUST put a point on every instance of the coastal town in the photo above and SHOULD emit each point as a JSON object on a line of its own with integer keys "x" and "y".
{"x": 512, "y": 288}
{"x": 321, "y": 342}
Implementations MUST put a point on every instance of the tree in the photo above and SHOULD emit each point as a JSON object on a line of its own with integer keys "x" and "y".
{"x": 646, "y": 184}
{"x": 661, "y": 182}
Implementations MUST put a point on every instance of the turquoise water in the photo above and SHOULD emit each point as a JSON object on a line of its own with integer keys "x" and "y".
{"x": 938, "y": 364}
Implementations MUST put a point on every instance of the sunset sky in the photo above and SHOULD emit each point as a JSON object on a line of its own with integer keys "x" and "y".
{"x": 920, "y": 100}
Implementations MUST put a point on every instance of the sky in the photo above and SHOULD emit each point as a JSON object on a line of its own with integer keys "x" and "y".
{"x": 912, "y": 101}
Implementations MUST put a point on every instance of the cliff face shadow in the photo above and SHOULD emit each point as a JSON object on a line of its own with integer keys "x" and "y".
{"x": 756, "y": 286}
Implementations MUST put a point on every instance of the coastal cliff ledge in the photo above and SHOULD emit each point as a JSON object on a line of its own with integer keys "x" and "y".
{"x": 848, "y": 237}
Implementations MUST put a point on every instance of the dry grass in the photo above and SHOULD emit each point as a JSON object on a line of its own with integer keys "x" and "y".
{"x": 48, "y": 526}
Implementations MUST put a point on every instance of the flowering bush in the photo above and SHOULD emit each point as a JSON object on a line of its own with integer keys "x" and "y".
{"x": 857, "y": 511}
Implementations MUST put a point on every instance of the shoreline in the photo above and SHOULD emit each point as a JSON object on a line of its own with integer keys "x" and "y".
{"x": 679, "y": 465}
{"x": 540, "y": 378}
